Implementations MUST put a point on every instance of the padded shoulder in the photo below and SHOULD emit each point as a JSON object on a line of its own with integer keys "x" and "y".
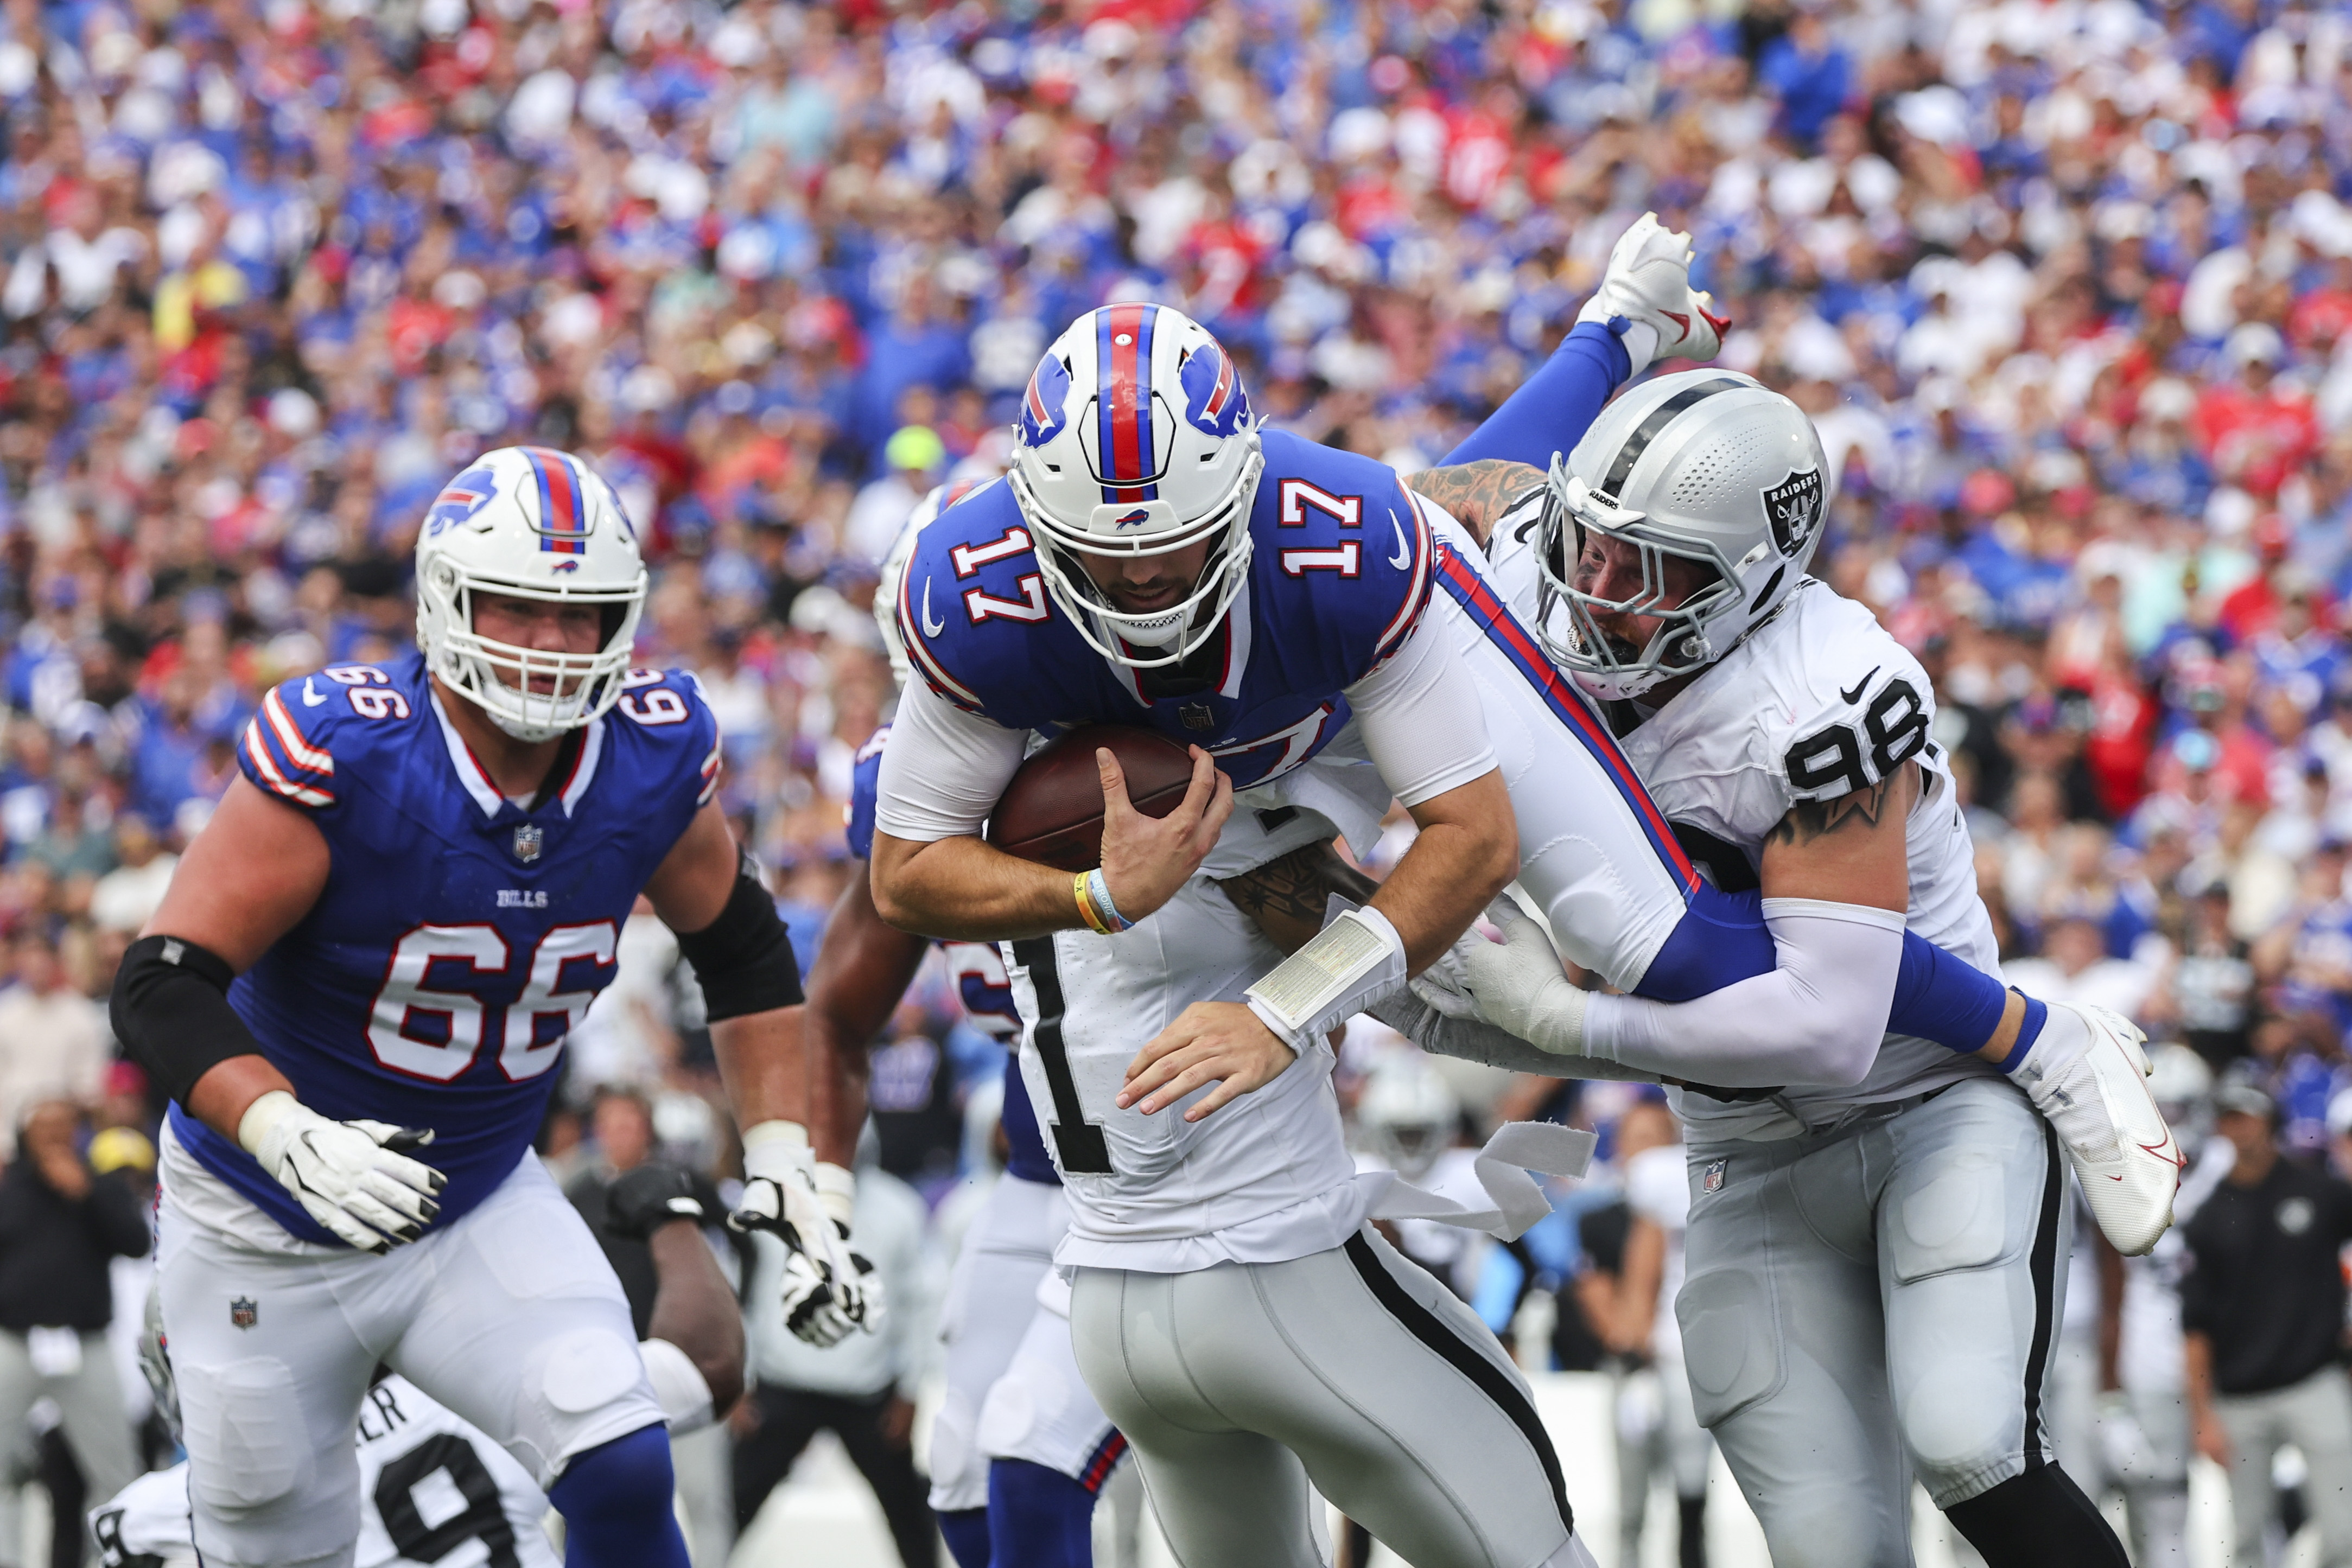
{"x": 291, "y": 747}
{"x": 978, "y": 624}
{"x": 665, "y": 722}
{"x": 1343, "y": 562}
{"x": 1840, "y": 704}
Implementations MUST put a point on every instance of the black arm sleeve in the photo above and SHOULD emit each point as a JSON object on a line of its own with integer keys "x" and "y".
{"x": 744, "y": 958}
{"x": 170, "y": 1009}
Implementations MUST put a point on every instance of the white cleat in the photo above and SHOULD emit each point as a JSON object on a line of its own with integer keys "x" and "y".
{"x": 1648, "y": 280}
{"x": 2097, "y": 1099}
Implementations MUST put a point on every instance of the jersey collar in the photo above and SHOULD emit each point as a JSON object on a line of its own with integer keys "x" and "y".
{"x": 475, "y": 780}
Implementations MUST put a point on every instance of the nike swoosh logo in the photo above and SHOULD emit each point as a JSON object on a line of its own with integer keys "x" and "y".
{"x": 1855, "y": 696}
{"x": 2180, "y": 1161}
{"x": 933, "y": 628}
{"x": 1403, "y": 557}
{"x": 311, "y": 699}
{"x": 1679, "y": 319}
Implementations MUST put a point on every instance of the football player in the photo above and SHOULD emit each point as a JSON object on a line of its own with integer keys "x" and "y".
{"x": 356, "y": 992}
{"x": 693, "y": 1353}
{"x": 1876, "y": 1257}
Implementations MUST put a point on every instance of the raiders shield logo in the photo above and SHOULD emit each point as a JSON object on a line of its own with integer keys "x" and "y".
{"x": 1795, "y": 507}
{"x": 243, "y": 1312}
{"x": 528, "y": 839}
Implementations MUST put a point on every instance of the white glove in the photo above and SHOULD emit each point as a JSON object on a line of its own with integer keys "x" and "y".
{"x": 1648, "y": 283}
{"x": 828, "y": 1290}
{"x": 349, "y": 1176}
{"x": 1521, "y": 986}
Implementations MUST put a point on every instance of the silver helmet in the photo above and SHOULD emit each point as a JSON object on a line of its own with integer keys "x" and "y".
{"x": 1707, "y": 466}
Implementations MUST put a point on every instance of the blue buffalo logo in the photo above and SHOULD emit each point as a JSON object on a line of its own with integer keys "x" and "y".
{"x": 460, "y": 499}
{"x": 1044, "y": 409}
{"x": 1214, "y": 400}
{"x": 1130, "y": 519}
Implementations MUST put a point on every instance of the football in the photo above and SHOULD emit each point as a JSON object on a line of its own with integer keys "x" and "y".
{"x": 1052, "y": 812}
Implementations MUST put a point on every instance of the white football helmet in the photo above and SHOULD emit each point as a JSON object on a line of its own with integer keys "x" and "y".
{"x": 1708, "y": 465}
{"x": 531, "y": 523}
{"x": 1135, "y": 438}
{"x": 1408, "y": 1113}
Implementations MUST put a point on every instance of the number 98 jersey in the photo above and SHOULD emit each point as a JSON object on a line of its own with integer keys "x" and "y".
{"x": 460, "y": 936}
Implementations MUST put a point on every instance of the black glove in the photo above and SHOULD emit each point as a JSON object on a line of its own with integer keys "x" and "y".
{"x": 642, "y": 1201}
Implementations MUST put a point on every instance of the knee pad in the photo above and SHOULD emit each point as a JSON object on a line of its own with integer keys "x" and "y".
{"x": 2038, "y": 1520}
{"x": 966, "y": 1530}
{"x": 615, "y": 1502}
{"x": 238, "y": 1415}
{"x": 1038, "y": 1518}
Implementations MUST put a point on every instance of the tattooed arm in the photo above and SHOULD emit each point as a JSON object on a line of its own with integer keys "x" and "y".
{"x": 1850, "y": 850}
{"x": 1477, "y": 494}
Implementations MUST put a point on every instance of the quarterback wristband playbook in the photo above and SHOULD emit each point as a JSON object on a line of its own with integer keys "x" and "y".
{"x": 170, "y": 1009}
{"x": 1353, "y": 962}
{"x": 744, "y": 958}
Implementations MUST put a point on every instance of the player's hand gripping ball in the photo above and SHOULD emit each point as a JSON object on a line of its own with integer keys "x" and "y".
{"x": 830, "y": 1291}
{"x": 1120, "y": 797}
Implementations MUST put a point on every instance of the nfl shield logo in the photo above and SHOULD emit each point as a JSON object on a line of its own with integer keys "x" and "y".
{"x": 243, "y": 1312}
{"x": 528, "y": 839}
{"x": 1713, "y": 1180}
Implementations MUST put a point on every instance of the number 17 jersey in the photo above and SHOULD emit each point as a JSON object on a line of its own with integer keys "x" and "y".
{"x": 460, "y": 935}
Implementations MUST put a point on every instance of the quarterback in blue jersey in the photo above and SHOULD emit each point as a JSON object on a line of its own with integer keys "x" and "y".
{"x": 1020, "y": 1449}
{"x": 356, "y": 991}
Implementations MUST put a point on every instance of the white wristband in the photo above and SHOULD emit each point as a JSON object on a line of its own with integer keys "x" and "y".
{"x": 1355, "y": 961}
{"x": 265, "y": 1112}
{"x": 777, "y": 1150}
{"x": 836, "y": 1193}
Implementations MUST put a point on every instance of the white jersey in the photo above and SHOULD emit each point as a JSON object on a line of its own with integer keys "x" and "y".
{"x": 434, "y": 1492}
{"x": 1819, "y": 701}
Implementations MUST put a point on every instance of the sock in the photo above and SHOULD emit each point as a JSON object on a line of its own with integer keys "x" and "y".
{"x": 967, "y": 1533}
{"x": 2038, "y": 1520}
{"x": 1691, "y": 1546}
{"x": 1555, "y": 406}
{"x": 1038, "y": 1518}
{"x": 1939, "y": 998}
{"x": 615, "y": 1504}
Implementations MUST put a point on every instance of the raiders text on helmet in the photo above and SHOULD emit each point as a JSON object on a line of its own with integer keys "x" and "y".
{"x": 529, "y": 523}
{"x": 1709, "y": 466}
{"x": 1135, "y": 438}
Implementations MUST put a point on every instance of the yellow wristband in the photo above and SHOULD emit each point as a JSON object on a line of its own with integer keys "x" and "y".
{"x": 1086, "y": 910}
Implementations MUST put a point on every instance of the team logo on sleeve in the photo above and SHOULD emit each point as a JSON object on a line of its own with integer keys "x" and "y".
{"x": 1045, "y": 408}
{"x": 1213, "y": 399}
{"x": 460, "y": 499}
{"x": 1794, "y": 509}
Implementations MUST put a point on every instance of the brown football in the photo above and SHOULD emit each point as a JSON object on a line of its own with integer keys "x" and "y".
{"x": 1052, "y": 812}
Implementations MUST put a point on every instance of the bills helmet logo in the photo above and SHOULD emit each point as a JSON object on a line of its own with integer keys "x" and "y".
{"x": 1214, "y": 400}
{"x": 1130, "y": 519}
{"x": 1794, "y": 509}
{"x": 460, "y": 499}
{"x": 1045, "y": 408}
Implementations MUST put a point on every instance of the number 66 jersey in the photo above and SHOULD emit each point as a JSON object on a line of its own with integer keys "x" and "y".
{"x": 460, "y": 935}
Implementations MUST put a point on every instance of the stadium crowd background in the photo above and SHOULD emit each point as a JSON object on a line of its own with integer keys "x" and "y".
{"x": 2066, "y": 284}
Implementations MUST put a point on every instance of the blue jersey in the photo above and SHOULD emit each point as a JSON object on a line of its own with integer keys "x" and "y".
{"x": 978, "y": 971}
{"x": 1339, "y": 576}
{"x": 459, "y": 936}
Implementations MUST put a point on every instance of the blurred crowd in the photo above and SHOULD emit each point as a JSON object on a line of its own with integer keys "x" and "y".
{"x": 2066, "y": 283}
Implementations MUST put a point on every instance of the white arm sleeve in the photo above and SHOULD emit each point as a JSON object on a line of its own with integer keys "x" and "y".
{"x": 1422, "y": 720}
{"x": 944, "y": 769}
{"x": 1817, "y": 1018}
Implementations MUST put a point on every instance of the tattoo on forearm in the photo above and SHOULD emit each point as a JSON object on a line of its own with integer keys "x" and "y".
{"x": 1477, "y": 494}
{"x": 1288, "y": 896}
{"x": 1862, "y": 808}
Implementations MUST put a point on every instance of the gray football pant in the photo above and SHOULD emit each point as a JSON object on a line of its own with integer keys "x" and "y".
{"x": 2315, "y": 1416}
{"x": 1867, "y": 1300}
{"x": 96, "y": 1422}
{"x": 1353, "y": 1369}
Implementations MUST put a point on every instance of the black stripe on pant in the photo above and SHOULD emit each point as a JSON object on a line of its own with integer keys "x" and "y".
{"x": 1491, "y": 1380}
{"x": 2042, "y": 1265}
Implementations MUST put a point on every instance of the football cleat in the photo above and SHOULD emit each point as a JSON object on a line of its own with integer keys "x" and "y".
{"x": 1648, "y": 280}
{"x": 2118, "y": 1140}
